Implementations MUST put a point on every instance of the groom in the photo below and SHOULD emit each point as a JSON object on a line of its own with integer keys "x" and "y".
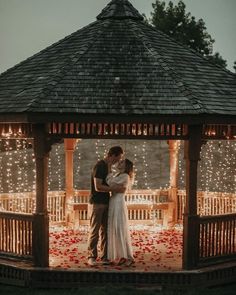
{"x": 99, "y": 200}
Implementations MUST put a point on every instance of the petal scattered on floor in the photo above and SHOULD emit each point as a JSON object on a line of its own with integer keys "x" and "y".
{"x": 155, "y": 249}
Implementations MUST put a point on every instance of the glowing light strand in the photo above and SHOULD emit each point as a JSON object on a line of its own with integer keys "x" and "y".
{"x": 77, "y": 165}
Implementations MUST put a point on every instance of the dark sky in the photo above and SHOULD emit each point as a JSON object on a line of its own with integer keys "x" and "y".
{"x": 28, "y": 26}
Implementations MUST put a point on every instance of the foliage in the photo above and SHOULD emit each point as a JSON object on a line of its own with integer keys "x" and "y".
{"x": 184, "y": 28}
{"x": 218, "y": 59}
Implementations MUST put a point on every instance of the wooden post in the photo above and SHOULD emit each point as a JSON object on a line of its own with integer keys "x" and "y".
{"x": 173, "y": 152}
{"x": 191, "y": 234}
{"x": 69, "y": 145}
{"x": 41, "y": 220}
{"x": 69, "y": 152}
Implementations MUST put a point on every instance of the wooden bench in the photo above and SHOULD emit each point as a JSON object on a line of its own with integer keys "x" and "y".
{"x": 146, "y": 214}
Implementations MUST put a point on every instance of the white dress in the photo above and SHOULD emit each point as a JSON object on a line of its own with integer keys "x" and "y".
{"x": 119, "y": 241}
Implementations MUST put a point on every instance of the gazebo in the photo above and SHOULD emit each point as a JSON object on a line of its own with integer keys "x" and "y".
{"x": 119, "y": 78}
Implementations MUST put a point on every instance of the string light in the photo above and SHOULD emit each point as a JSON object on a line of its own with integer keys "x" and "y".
{"x": 101, "y": 149}
{"x": 216, "y": 170}
{"x": 56, "y": 168}
{"x": 9, "y": 165}
{"x": 97, "y": 143}
{"x": 1, "y": 170}
{"x": 181, "y": 168}
{"x": 105, "y": 150}
{"x": 50, "y": 174}
{"x": 19, "y": 178}
{"x": 217, "y": 167}
{"x": 77, "y": 164}
{"x": 135, "y": 184}
{"x": 145, "y": 165}
{"x": 16, "y": 173}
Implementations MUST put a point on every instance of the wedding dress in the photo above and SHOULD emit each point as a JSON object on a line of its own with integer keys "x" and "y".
{"x": 119, "y": 241}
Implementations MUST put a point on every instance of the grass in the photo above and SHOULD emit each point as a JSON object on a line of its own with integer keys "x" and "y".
{"x": 122, "y": 290}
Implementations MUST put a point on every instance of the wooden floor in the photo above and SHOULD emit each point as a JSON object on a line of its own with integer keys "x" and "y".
{"x": 156, "y": 249}
{"x": 158, "y": 255}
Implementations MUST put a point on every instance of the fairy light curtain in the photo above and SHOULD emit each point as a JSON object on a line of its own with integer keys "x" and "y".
{"x": 217, "y": 167}
{"x": 17, "y": 167}
{"x": 151, "y": 160}
{"x": 56, "y": 168}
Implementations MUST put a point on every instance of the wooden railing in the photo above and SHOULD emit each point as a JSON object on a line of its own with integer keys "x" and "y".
{"x": 26, "y": 202}
{"x": 144, "y": 207}
{"x": 16, "y": 221}
{"x": 16, "y": 234}
{"x": 217, "y": 237}
{"x": 147, "y": 207}
{"x": 56, "y": 206}
{"x": 18, "y": 202}
{"x": 209, "y": 203}
{"x": 132, "y": 197}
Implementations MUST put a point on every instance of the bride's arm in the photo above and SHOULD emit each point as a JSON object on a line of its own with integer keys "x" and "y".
{"x": 125, "y": 182}
{"x": 112, "y": 187}
{"x": 114, "y": 184}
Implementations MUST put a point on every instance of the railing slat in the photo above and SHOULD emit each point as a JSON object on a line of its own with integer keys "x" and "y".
{"x": 217, "y": 237}
{"x": 16, "y": 234}
{"x": 209, "y": 203}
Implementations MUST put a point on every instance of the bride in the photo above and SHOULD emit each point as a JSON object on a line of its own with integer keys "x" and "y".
{"x": 119, "y": 241}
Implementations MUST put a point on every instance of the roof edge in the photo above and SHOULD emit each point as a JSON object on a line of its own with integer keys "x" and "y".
{"x": 190, "y": 119}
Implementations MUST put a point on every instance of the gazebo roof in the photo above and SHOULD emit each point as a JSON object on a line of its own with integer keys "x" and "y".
{"x": 118, "y": 65}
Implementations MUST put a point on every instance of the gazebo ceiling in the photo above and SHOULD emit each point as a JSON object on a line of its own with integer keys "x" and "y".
{"x": 118, "y": 65}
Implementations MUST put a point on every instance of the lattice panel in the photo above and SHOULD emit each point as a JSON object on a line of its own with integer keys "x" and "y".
{"x": 219, "y": 131}
{"x": 16, "y": 130}
{"x": 112, "y": 130}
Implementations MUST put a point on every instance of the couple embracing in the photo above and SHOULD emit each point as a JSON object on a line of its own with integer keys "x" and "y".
{"x": 109, "y": 215}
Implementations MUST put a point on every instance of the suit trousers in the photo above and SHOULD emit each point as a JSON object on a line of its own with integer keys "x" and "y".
{"x": 98, "y": 225}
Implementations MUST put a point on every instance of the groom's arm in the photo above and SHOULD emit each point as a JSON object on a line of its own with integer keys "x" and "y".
{"x": 99, "y": 187}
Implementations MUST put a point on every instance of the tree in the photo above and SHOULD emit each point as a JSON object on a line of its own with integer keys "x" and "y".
{"x": 235, "y": 66}
{"x": 217, "y": 59}
{"x": 184, "y": 28}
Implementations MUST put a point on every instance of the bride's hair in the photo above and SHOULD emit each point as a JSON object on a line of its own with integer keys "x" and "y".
{"x": 129, "y": 168}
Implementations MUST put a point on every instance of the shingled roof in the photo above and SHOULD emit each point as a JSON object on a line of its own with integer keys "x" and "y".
{"x": 118, "y": 65}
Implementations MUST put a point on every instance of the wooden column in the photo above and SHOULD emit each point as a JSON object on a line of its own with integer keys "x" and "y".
{"x": 174, "y": 171}
{"x": 69, "y": 179}
{"x": 191, "y": 234}
{"x": 41, "y": 220}
{"x": 69, "y": 145}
